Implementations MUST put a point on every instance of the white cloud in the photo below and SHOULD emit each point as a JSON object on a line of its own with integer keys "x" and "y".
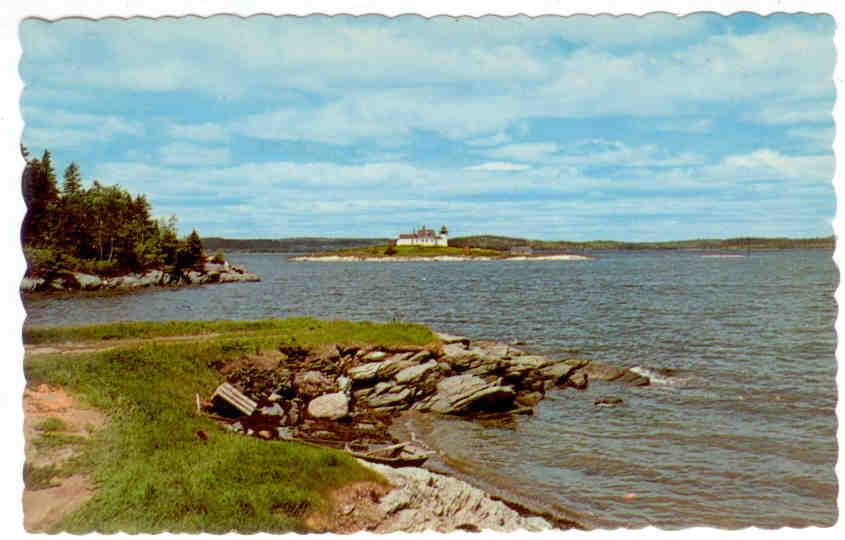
{"x": 498, "y": 166}
{"x": 182, "y": 153}
{"x": 524, "y": 151}
{"x": 768, "y": 164}
{"x": 64, "y": 129}
{"x": 206, "y": 131}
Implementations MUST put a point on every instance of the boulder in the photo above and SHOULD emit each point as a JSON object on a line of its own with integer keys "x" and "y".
{"x": 364, "y": 373}
{"x": 529, "y": 399}
{"x": 88, "y": 282}
{"x": 31, "y": 284}
{"x": 599, "y": 371}
{"x": 394, "y": 364}
{"x": 237, "y": 277}
{"x": 608, "y": 401}
{"x": 153, "y": 277}
{"x": 558, "y": 373}
{"x": 312, "y": 383}
{"x": 578, "y": 379}
{"x": 391, "y": 396}
{"x": 449, "y": 339}
{"x": 464, "y": 359}
{"x": 462, "y": 394}
{"x": 519, "y": 367}
{"x": 329, "y": 406}
{"x": 344, "y": 384}
{"x": 413, "y": 374}
{"x": 374, "y": 356}
{"x": 426, "y": 501}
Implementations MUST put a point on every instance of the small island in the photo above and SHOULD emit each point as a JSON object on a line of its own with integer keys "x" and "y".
{"x": 103, "y": 238}
{"x": 424, "y": 244}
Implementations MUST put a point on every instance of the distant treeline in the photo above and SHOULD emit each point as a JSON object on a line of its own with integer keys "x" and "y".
{"x": 289, "y": 245}
{"x": 505, "y": 243}
{"x": 101, "y": 229}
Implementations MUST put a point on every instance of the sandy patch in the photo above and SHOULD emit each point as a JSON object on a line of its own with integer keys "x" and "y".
{"x": 43, "y": 507}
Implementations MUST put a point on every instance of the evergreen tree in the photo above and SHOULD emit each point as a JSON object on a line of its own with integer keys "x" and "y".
{"x": 191, "y": 255}
{"x": 73, "y": 179}
{"x": 41, "y": 197}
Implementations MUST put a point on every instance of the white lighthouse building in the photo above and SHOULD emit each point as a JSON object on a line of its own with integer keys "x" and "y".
{"x": 425, "y": 237}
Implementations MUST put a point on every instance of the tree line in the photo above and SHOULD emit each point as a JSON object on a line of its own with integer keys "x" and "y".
{"x": 102, "y": 230}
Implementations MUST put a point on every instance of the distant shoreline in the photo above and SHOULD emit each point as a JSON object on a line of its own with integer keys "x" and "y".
{"x": 436, "y": 258}
{"x": 315, "y": 245}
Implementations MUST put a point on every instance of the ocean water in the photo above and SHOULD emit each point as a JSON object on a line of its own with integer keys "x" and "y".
{"x": 742, "y": 432}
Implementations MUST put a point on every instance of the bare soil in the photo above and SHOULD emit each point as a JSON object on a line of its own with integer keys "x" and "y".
{"x": 43, "y": 507}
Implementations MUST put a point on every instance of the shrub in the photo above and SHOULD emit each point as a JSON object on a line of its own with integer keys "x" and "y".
{"x": 391, "y": 250}
{"x": 219, "y": 257}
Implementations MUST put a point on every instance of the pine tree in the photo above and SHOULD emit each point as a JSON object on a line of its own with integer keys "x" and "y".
{"x": 73, "y": 179}
{"x": 41, "y": 197}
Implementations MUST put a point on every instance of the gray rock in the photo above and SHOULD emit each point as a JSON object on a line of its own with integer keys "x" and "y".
{"x": 464, "y": 359}
{"x": 237, "y": 277}
{"x": 153, "y": 277}
{"x": 392, "y": 397}
{"x": 329, "y": 406}
{"x": 609, "y": 401}
{"x": 374, "y": 356}
{"x": 449, "y": 339}
{"x": 31, "y": 284}
{"x": 344, "y": 384}
{"x": 420, "y": 356}
{"x": 88, "y": 282}
{"x": 529, "y": 399}
{"x": 465, "y": 393}
{"x": 578, "y": 379}
{"x": 312, "y": 383}
{"x": 394, "y": 364}
{"x": 365, "y": 372}
{"x": 273, "y": 410}
{"x": 412, "y": 374}
{"x": 558, "y": 373}
{"x": 422, "y": 500}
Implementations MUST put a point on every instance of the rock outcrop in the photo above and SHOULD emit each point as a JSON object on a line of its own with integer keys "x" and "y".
{"x": 426, "y": 501}
{"x": 69, "y": 281}
{"x": 336, "y": 393}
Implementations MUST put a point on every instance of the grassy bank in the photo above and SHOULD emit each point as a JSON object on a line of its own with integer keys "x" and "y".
{"x": 153, "y": 472}
{"x": 305, "y": 330}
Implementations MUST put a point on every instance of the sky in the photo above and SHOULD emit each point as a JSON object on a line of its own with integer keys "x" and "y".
{"x": 579, "y": 128}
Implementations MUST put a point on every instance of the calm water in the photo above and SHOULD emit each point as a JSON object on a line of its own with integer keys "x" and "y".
{"x": 743, "y": 434}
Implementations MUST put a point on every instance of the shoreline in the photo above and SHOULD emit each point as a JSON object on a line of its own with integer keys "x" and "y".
{"x": 437, "y": 258}
{"x": 341, "y": 390}
{"x": 74, "y": 282}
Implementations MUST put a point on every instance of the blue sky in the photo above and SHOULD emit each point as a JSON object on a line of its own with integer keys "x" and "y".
{"x": 654, "y": 128}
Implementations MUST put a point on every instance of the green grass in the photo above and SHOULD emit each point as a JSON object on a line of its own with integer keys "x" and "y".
{"x": 52, "y": 424}
{"x": 310, "y": 331}
{"x": 153, "y": 472}
{"x": 35, "y": 477}
{"x": 415, "y": 251}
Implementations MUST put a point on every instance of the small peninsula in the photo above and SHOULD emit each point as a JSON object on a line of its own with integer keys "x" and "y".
{"x": 103, "y": 238}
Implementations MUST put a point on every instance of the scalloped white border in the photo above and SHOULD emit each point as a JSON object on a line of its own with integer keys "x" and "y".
{"x": 12, "y": 264}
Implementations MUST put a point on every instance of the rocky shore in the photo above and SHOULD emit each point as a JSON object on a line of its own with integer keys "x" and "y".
{"x": 78, "y": 281}
{"x": 438, "y": 258}
{"x": 336, "y": 394}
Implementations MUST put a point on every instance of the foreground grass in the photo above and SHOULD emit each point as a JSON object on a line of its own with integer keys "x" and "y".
{"x": 416, "y": 251}
{"x": 306, "y": 330}
{"x": 153, "y": 472}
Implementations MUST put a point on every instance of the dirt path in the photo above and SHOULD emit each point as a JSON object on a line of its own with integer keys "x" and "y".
{"x": 49, "y": 497}
{"x": 75, "y": 347}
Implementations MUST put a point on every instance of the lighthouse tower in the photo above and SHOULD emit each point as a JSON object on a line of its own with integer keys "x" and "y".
{"x": 443, "y": 237}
